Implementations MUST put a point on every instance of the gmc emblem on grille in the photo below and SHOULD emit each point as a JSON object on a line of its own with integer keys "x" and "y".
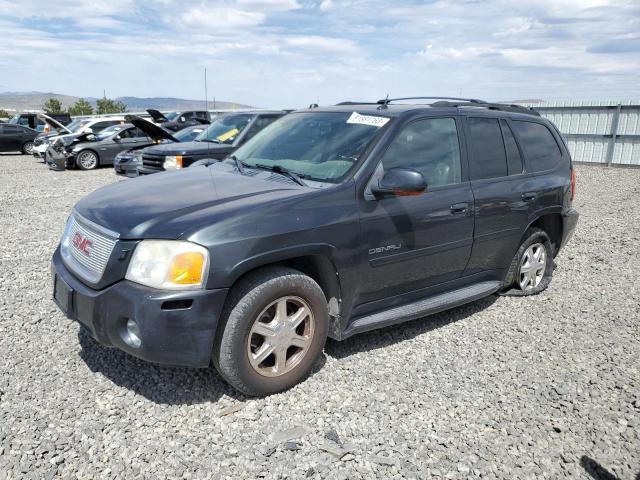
{"x": 82, "y": 243}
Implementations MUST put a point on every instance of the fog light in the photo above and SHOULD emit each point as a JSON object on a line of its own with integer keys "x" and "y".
{"x": 132, "y": 335}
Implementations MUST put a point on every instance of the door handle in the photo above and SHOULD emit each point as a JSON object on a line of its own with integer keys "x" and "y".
{"x": 459, "y": 208}
{"x": 527, "y": 197}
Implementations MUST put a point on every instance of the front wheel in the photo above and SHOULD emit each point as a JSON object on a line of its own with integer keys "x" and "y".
{"x": 27, "y": 148}
{"x": 87, "y": 160}
{"x": 532, "y": 267}
{"x": 272, "y": 331}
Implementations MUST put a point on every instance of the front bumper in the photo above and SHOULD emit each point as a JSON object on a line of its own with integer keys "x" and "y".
{"x": 176, "y": 327}
{"x": 127, "y": 168}
{"x": 569, "y": 221}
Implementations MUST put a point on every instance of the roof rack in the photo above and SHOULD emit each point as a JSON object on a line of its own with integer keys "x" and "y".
{"x": 385, "y": 101}
{"x": 503, "y": 107}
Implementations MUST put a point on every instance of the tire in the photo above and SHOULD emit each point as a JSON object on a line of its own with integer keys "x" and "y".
{"x": 256, "y": 299}
{"x": 87, "y": 160}
{"x": 536, "y": 243}
{"x": 27, "y": 148}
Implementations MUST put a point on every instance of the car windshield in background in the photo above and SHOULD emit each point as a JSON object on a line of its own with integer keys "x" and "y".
{"x": 77, "y": 123}
{"x": 14, "y": 120}
{"x": 225, "y": 129}
{"x": 188, "y": 134}
{"x": 322, "y": 146}
{"x": 107, "y": 132}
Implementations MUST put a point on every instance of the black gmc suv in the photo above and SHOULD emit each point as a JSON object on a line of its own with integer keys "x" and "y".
{"x": 331, "y": 221}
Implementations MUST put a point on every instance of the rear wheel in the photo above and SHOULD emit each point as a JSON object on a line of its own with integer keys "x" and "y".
{"x": 27, "y": 148}
{"x": 272, "y": 331}
{"x": 532, "y": 266}
{"x": 87, "y": 160}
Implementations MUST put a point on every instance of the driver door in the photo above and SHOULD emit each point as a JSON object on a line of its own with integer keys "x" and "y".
{"x": 416, "y": 242}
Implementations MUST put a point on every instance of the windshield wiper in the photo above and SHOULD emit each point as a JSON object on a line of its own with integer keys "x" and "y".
{"x": 239, "y": 163}
{"x": 283, "y": 171}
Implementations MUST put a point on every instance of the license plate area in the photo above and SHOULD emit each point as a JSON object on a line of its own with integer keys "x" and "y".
{"x": 63, "y": 295}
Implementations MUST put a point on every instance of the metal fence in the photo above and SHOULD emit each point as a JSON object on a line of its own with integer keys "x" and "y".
{"x": 603, "y": 132}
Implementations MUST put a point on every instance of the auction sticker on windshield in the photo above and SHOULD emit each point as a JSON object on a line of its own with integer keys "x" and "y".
{"x": 370, "y": 120}
{"x": 227, "y": 135}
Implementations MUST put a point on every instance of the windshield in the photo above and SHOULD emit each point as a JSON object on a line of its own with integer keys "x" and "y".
{"x": 75, "y": 124}
{"x": 225, "y": 129}
{"x": 188, "y": 134}
{"x": 321, "y": 146}
{"x": 14, "y": 120}
{"x": 107, "y": 132}
{"x": 171, "y": 116}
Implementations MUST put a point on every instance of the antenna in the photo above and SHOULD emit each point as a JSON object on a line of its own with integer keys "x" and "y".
{"x": 384, "y": 103}
{"x": 206, "y": 105}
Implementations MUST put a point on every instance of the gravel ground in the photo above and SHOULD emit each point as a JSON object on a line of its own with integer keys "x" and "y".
{"x": 540, "y": 387}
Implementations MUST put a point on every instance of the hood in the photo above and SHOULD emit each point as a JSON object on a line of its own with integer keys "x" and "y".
{"x": 53, "y": 123}
{"x": 200, "y": 196}
{"x": 197, "y": 149}
{"x": 154, "y": 131}
{"x": 156, "y": 115}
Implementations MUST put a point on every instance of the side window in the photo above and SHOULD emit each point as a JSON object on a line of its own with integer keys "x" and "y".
{"x": 539, "y": 145}
{"x": 514, "y": 160}
{"x": 137, "y": 133}
{"x": 429, "y": 146}
{"x": 202, "y": 115}
{"x": 488, "y": 159}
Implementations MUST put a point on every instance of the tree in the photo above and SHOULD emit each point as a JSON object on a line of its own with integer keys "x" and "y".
{"x": 4, "y": 113}
{"x": 81, "y": 107}
{"x": 106, "y": 105}
{"x": 52, "y": 105}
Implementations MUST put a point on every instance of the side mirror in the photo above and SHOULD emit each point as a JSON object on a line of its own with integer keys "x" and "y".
{"x": 400, "y": 182}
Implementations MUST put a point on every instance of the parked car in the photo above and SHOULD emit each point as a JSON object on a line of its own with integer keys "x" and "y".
{"x": 36, "y": 122}
{"x": 332, "y": 221}
{"x": 176, "y": 121}
{"x": 16, "y": 138}
{"x": 89, "y": 151}
{"x": 129, "y": 162}
{"x": 221, "y": 138}
{"x": 90, "y": 125}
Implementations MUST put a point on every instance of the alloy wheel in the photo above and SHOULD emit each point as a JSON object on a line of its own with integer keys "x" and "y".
{"x": 88, "y": 160}
{"x": 532, "y": 266}
{"x": 280, "y": 336}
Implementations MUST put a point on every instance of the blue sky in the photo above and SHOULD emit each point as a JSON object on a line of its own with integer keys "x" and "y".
{"x": 289, "y": 53}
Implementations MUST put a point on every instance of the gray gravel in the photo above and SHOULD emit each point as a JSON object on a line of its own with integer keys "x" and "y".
{"x": 540, "y": 387}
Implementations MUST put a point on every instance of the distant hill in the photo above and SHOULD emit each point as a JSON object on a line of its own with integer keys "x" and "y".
{"x": 23, "y": 101}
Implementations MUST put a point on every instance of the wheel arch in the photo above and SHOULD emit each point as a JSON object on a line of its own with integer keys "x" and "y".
{"x": 316, "y": 261}
{"x": 551, "y": 223}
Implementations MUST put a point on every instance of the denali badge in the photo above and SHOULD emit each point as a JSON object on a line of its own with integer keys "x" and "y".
{"x": 82, "y": 243}
{"x": 373, "y": 251}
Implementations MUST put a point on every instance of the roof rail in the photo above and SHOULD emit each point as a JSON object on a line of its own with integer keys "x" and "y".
{"x": 503, "y": 107}
{"x": 385, "y": 101}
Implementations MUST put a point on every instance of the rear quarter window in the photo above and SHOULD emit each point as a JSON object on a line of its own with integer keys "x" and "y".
{"x": 538, "y": 144}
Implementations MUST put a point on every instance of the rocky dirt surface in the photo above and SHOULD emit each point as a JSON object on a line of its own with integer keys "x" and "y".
{"x": 538, "y": 387}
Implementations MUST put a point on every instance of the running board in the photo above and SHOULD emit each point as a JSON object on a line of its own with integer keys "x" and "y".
{"x": 421, "y": 308}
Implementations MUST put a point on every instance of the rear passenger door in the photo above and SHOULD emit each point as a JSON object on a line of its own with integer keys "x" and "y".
{"x": 501, "y": 190}
{"x": 414, "y": 242}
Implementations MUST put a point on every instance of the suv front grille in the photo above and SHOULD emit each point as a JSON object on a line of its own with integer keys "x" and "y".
{"x": 154, "y": 162}
{"x": 86, "y": 248}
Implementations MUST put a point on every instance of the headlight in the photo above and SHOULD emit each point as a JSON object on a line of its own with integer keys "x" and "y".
{"x": 173, "y": 162}
{"x": 169, "y": 264}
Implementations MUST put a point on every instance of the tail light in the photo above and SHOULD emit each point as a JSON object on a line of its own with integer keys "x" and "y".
{"x": 573, "y": 183}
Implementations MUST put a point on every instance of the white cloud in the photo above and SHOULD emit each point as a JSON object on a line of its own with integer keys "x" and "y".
{"x": 285, "y": 53}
